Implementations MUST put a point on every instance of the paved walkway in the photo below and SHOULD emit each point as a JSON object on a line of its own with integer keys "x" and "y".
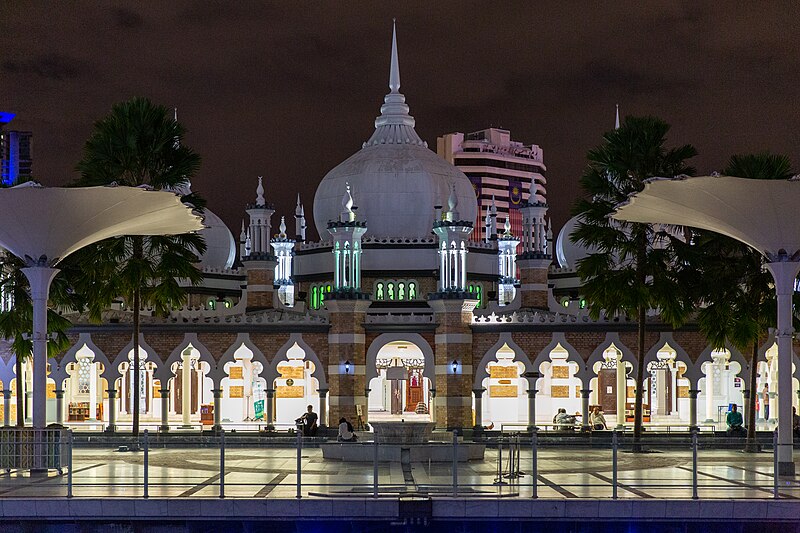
{"x": 271, "y": 473}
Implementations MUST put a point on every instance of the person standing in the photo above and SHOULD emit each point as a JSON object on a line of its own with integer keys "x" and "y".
{"x": 765, "y": 401}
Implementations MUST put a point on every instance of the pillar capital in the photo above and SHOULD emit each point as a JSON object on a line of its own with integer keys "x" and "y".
{"x": 324, "y": 392}
{"x": 532, "y": 393}
{"x": 585, "y": 393}
{"x": 217, "y": 393}
{"x": 112, "y": 393}
{"x": 478, "y": 392}
{"x": 7, "y": 393}
{"x": 163, "y": 392}
{"x": 693, "y": 393}
{"x": 59, "y": 393}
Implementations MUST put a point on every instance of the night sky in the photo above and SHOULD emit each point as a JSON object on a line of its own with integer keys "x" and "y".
{"x": 288, "y": 89}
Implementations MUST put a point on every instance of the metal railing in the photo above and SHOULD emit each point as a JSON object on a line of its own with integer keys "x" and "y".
{"x": 516, "y": 465}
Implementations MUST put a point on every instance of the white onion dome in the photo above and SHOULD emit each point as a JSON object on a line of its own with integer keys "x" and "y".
{"x": 569, "y": 253}
{"x": 220, "y": 246}
{"x": 396, "y": 179}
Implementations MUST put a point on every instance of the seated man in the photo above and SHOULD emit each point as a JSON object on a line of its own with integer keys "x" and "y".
{"x": 735, "y": 422}
{"x": 795, "y": 422}
{"x": 308, "y": 422}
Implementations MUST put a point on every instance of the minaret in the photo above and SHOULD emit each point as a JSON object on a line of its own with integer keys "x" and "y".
{"x": 258, "y": 260}
{"x": 507, "y": 265}
{"x": 243, "y": 251}
{"x": 284, "y": 252}
{"x": 492, "y": 233}
{"x": 299, "y": 221}
{"x": 534, "y": 261}
{"x": 616, "y": 121}
{"x": 347, "y": 233}
{"x": 453, "y": 235}
{"x": 260, "y": 222}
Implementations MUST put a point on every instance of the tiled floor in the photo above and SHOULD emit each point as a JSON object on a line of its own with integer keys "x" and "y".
{"x": 271, "y": 472}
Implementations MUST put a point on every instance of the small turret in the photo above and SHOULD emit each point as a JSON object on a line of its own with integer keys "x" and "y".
{"x": 299, "y": 221}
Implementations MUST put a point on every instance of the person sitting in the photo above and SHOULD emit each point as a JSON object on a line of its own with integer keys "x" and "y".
{"x": 596, "y": 419}
{"x": 309, "y": 422}
{"x": 563, "y": 421}
{"x": 735, "y": 422}
{"x": 346, "y": 433}
{"x": 795, "y": 423}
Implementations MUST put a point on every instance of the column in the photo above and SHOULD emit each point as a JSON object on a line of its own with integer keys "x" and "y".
{"x": 622, "y": 391}
{"x": 112, "y": 411}
{"x": 531, "y": 408}
{"x": 270, "y": 408}
{"x": 164, "y": 409}
{"x": 478, "y": 408}
{"x": 217, "y": 409}
{"x": 585, "y": 409}
{"x": 709, "y": 392}
{"x": 432, "y": 405}
{"x": 40, "y": 278}
{"x": 693, "y": 407}
{"x": 346, "y": 342}
{"x": 186, "y": 390}
{"x": 28, "y": 409}
{"x": 6, "y": 406}
{"x": 323, "y": 407}
{"x": 60, "y": 407}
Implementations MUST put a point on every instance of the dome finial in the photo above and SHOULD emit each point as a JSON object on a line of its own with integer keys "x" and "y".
{"x": 507, "y": 227}
{"x": 260, "y": 193}
{"x": 347, "y": 203}
{"x": 282, "y": 227}
{"x": 616, "y": 122}
{"x": 394, "y": 69}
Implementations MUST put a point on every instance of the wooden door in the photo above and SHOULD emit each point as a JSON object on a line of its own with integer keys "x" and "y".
{"x": 413, "y": 390}
{"x": 607, "y": 390}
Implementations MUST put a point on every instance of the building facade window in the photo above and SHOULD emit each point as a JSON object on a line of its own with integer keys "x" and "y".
{"x": 477, "y": 290}
{"x": 396, "y": 290}
{"x": 317, "y": 295}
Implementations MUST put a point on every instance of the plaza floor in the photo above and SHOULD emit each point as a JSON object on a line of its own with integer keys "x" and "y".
{"x": 563, "y": 473}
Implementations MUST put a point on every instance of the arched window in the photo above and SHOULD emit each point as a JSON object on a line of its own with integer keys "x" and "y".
{"x": 379, "y": 294}
{"x": 477, "y": 290}
{"x": 412, "y": 290}
{"x": 401, "y": 291}
{"x": 390, "y": 291}
{"x": 211, "y": 304}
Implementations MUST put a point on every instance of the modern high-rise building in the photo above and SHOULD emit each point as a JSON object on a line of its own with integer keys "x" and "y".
{"x": 16, "y": 158}
{"x": 502, "y": 171}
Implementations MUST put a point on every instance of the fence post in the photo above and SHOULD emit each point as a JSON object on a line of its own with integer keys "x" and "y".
{"x": 375, "y": 466}
{"x": 775, "y": 493}
{"x": 299, "y": 463}
{"x": 146, "y": 464}
{"x": 694, "y": 464}
{"x": 221, "y": 463}
{"x": 69, "y": 464}
{"x": 534, "y": 463}
{"x": 614, "y": 445}
{"x": 455, "y": 463}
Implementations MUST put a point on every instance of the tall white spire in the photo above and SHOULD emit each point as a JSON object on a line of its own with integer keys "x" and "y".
{"x": 394, "y": 69}
{"x": 616, "y": 122}
{"x": 394, "y": 125}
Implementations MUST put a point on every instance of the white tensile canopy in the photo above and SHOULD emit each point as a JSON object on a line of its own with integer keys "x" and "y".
{"x": 43, "y": 225}
{"x": 759, "y": 213}
{"x": 54, "y": 222}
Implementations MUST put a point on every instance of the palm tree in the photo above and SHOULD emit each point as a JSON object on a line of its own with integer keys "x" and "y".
{"x": 17, "y": 322}
{"x": 730, "y": 284}
{"x": 631, "y": 270}
{"x": 137, "y": 144}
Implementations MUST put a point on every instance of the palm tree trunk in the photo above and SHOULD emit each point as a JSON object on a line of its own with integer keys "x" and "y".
{"x": 752, "y": 445}
{"x": 20, "y": 393}
{"x": 137, "y": 301}
{"x": 640, "y": 355}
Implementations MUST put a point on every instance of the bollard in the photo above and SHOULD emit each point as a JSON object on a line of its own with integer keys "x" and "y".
{"x": 455, "y": 463}
{"x": 375, "y": 467}
{"x": 694, "y": 464}
{"x": 299, "y": 464}
{"x": 534, "y": 463}
{"x": 69, "y": 465}
{"x": 221, "y": 463}
{"x": 499, "y": 479}
{"x": 614, "y": 444}
{"x": 146, "y": 439}
{"x": 775, "y": 476}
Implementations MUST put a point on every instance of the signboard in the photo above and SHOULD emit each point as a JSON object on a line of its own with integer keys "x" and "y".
{"x": 258, "y": 409}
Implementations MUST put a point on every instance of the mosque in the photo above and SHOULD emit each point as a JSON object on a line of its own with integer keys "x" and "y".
{"x": 396, "y": 312}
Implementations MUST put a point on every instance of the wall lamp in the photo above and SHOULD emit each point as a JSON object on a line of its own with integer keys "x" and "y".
{"x": 347, "y": 367}
{"x": 455, "y": 366}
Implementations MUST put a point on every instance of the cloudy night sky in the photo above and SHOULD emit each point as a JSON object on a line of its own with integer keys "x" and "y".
{"x": 288, "y": 90}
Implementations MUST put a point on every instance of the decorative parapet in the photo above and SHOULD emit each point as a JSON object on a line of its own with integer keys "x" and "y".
{"x": 259, "y": 256}
{"x": 554, "y": 269}
{"x": 542, "y": 317}
{"x": 265, "y": 317}
{"x": 452, "y": 294}
{"x": 404, "y": 318}
{"x": 346, "y": 294}
{"x": 224, "y": 271}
